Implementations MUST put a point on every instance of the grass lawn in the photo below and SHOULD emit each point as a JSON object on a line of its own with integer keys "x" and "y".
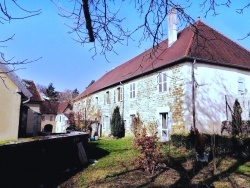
{"x": 115, "y": 168}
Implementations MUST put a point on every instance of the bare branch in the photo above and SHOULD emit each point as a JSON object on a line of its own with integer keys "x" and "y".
{"x": 5, "y": 15}
{"x": 241, "y": 10}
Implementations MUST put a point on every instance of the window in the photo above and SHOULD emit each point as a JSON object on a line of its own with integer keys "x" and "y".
{"x": 241, "y": 86}
{"x": 132, "y": 117}
{"x": 43, "y": 118}
{"x": 132, "y": 90}
{"x": 51, "y": 118}
{"x": 96, "y": 101}
{"x": 119, "y": 94}
{"x": 107, "y": 98}
{"x": 114, "y": 95}
{"x": 164, "y": 127}
{"x": 162, "y": 82}
{"x": 106, "y": 122}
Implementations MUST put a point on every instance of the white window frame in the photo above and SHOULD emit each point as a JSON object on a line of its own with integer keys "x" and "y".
{"x": 132, "y": 90}
{"x": 119, "y": 94}
{"x": 162, "y": 82}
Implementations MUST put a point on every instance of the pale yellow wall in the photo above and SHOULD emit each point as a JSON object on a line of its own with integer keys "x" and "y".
{"x": 9, "y": 109}
{"x": 34, "y": 107}
{"x": 47, "y": 121}
{"x": 30, "y": 120}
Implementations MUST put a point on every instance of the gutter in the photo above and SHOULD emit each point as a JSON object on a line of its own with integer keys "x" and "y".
{"x": 26, "y": 100}
{"x": 193, "y": 95}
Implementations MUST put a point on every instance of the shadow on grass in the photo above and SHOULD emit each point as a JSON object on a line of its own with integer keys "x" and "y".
{"x": 93, "y": 151}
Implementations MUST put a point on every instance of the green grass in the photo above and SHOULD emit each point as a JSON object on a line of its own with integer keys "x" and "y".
{"x": 244, "y": 169}
{"x": 114, "y": 157}
{"x": 116, "y": 161}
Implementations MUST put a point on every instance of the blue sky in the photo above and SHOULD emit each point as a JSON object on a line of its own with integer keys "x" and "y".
{"x": 69, "y": 65}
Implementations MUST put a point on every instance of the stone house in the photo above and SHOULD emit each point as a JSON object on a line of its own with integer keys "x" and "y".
{"x": 183, "y": 82}
{"x": 13, "y": 94}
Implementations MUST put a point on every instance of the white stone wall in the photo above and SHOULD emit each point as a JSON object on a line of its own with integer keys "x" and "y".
{"x": 213, "y": 84}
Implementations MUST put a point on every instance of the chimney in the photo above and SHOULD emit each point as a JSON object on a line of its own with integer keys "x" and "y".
{"x": 172, "y": 27}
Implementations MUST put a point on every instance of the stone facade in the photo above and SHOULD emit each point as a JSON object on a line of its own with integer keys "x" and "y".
{"x": 212, "y": 84}
{"x": 148, "y": 101}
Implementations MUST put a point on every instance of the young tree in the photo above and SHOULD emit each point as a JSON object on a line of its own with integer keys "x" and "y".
{"x": 75, "y": 93}
{"x": 236, "y": 119}
{"x": 117, "y": 126}
{"x": 51, "y": 93}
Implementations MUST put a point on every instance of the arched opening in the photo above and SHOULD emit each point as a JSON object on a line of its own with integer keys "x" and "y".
{"x": 48, "y": 128}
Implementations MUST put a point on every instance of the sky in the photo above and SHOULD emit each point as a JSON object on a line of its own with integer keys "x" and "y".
{"x": 69, "y": 65}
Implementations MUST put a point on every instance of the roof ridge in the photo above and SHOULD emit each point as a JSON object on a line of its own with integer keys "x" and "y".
{"x": 190, "y": 43}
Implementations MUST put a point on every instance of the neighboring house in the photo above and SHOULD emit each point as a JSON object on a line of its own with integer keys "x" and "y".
{"x": 184, "y": 83}
{"x": 31, "y": 125}
{"x": 62, "y": 118}
{"x": 55, "y": 116}
{"x": 13, "y": 95}
{"x": 49, "y": 112}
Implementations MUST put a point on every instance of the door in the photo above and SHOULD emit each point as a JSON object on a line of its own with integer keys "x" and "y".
{"x": 164, "y": 127}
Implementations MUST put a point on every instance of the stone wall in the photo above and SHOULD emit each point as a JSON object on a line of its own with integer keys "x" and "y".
{"x": 148, "y": 101}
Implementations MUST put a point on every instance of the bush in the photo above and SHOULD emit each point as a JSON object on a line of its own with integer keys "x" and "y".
{"x": 117, "y": 125}
{"x": 146, "y": 143}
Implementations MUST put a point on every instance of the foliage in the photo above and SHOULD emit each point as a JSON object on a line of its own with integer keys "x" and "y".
{"x": 71, "y": 118}
{"x": 224, "y": 145}
{"x": 75, "y": 93}
{"x": 117, "y": 125}
{"x": 236, "y": 119}
{"x": 67, "y": 95}
{"x": 136, "y": 124}
{"x": 149, "y": 150}
{"x": 51, "y": 93}
{"x": 146, "y": 143}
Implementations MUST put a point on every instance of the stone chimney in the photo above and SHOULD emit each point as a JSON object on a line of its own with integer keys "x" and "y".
{"x": 172, "y": 27}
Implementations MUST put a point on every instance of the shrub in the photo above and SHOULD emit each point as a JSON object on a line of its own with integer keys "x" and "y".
{"x": 117, "y": 126}
{"x": 146, "y": 143}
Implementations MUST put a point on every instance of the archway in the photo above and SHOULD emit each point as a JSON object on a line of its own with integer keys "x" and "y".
{"x": 48, "y": 128}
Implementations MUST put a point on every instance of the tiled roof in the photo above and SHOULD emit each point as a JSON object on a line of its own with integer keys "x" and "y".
{"x": 198, "y": 41}
{"x": 54, "y": 107}
{"x": 62, "y": 107}
{"x": 49, "y": 107}
{"x": 30, "y": 85}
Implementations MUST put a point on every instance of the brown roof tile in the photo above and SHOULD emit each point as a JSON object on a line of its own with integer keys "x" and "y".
{"x": 62, "y": 107}
{"x": 198, "y": 41}
{"x": 30, "y": 85}
{"x": 49, "y": 107}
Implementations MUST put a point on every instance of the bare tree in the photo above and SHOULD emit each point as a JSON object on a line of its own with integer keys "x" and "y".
{"x": 8, "y": 10}
{"x": 101, "y": 21}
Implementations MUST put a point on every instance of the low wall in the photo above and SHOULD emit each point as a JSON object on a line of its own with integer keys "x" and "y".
{"x": 40, "y": 161}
